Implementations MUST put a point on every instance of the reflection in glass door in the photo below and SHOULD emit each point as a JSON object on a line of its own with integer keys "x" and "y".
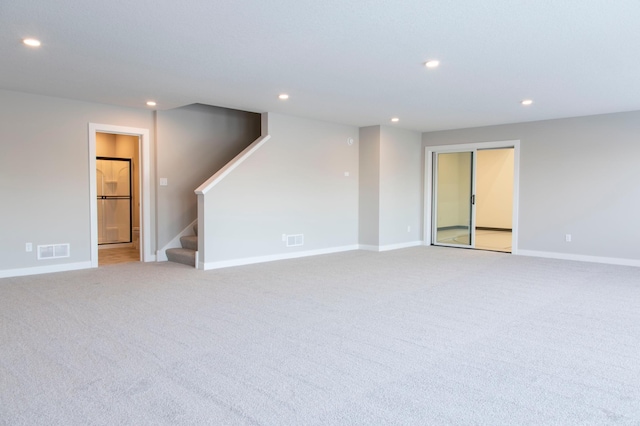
{"x": 454, "y": 199}
{"x": 113, "y": 178}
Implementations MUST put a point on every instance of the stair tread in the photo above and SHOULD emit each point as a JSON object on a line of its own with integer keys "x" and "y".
{"x": 189, "y": 242}
{"x": 182, "y": 255}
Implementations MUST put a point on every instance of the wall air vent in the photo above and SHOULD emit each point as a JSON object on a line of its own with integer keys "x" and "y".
{"x": 53, "y": 251}
{"x": 295, "y": 240}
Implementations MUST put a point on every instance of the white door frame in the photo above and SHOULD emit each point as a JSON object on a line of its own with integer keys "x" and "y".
{"x": 145, "y": 187}
{"x": 428, "y": 186}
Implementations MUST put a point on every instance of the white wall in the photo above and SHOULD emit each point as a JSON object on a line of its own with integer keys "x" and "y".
{"x": 369, "y": 193}
{"x": 194, "y": 142}
{"x": 578, "y": 176}
{"x": 494, "y": 188}
{"x": 294, "y": 184}
{"x": 390, "y": 187}
{"x": 401, "y": 163}
{"x": 44, "y": 174}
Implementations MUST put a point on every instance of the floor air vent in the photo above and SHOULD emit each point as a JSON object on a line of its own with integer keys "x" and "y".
{"x": 53, "y": 251}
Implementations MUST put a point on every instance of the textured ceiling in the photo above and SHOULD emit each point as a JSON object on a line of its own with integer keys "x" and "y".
{"x": 347, "y": 61}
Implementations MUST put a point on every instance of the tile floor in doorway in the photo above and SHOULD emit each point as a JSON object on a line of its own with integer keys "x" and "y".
{"x": 485, "y": 239}
{"x": 112, "y": 256}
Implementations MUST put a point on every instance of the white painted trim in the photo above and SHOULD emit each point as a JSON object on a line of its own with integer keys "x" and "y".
{"x": 581, "y": 257}
{"x": 271, "y": 258}
{"x": 61, "y": 267}
{"x": 145, "y": 182}
{"x": 389, "y": 247}
{"x": 161, "y": 254}
{"x": 430, "y": 150}
{"x": 231, "y": 165}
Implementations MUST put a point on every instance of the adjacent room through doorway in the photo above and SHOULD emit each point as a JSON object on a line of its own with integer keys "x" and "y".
{"x": 118, "y": 198}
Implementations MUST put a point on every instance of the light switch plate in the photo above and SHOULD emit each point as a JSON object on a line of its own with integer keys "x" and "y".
{"x": 164, "y": 182}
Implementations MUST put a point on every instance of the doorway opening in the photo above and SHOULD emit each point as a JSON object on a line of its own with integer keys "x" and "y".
{"x": 120, "y": 194}
{"x": 472, "y": 196}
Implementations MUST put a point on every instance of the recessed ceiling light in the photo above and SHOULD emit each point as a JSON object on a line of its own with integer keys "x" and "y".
{"x": 283, "y": 96}
{"x": 151, "y": 103}
{"x": 31, "y": 42}
{"x": 395, "y": 119}
{"x": 527, "y": 102}
{"x": 433, "y": 63}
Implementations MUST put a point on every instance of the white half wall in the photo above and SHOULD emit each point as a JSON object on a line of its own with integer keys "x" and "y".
{"x": 194, "y": 142}
{"x": 303, "y": 180}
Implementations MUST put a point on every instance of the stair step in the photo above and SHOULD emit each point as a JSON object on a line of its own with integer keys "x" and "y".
{"x": 182, "y": 255}
{"x": 189, "y": 242}
{"x": 195, "y": 228}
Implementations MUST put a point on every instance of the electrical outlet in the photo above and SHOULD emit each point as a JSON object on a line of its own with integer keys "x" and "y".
{"x": 567, "y": 238}
{"x": 29, "y": 247}
{"x": 409, "y": 228}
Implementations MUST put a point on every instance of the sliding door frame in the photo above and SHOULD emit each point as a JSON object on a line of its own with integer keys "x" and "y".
{"x": 429, "y": 182}
{"x": 472, "y": 205}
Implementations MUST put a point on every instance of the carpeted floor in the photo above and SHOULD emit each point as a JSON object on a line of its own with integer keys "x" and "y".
{"x": 420, "y": 336}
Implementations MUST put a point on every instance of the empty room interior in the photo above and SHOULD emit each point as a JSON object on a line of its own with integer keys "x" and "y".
{"x": 334, "y": 213}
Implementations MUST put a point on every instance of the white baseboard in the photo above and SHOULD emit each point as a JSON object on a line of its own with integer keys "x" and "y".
{"x": 161, "y": 255}
{"x": 44, "y": 269}
{"x": 391, "y": 246}
{"x": 580, "y": 257}
{"x": 282, "y": 256}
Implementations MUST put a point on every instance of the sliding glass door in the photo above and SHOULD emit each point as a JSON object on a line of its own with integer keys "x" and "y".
{"x": 454, "y": 199}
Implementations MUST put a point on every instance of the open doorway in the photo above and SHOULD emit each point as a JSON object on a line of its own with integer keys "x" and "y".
{"x": 471, "y": 196}
{"x": 119, "y": 194}
{"x": 494, "y": 199}
{"x": 118, "y": 198}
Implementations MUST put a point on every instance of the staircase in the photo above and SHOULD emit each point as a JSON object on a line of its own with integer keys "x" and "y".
{"x": 186, "y": 254}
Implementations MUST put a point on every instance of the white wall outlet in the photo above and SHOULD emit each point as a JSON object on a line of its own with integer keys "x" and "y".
{"x": 28, "y": 247}
{"x": 346, "y": 174}
{"x": 164, "y": 182}
{"x": 408, "y": 228}
{"x": 284, "y": 237}
{"x": 567, "y": 238}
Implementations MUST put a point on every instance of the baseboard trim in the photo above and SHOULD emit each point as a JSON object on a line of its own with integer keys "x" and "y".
{"x": 283, "y": 256}
{"x": 36, "y": 270}
{"x": 580, "y": 257}
{"x": 391, "y": 246}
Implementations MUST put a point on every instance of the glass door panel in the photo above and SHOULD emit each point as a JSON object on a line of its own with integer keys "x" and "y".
{"x": 453, "y": 199}
{"x": 113, "y": 179}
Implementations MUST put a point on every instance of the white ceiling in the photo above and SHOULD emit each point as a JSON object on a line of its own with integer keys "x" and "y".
{"x": 347, "y": 61}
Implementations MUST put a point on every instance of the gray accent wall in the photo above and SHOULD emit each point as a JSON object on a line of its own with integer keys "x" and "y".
{"x": 293, "y": 184}
{"x": 193, "y": 143}
{"x": 44, "y": 174}
{"x": 578, "y": 176}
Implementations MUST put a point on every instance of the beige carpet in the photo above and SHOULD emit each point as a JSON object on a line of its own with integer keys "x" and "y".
{"x": 421, "y": 336}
